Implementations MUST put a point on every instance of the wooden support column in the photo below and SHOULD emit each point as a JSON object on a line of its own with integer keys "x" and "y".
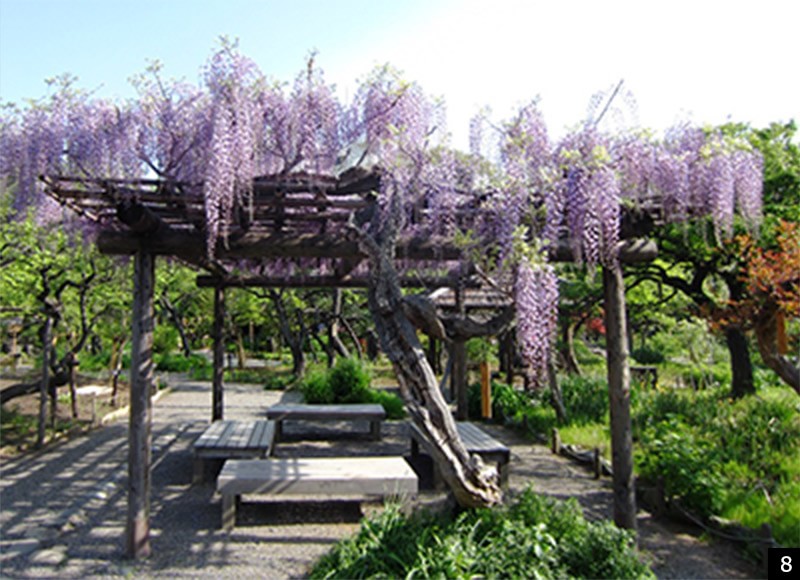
{"x": 140, "y": 426}
{"x": 619, "y": 385}
{"x": 459, "y": 354}
{"x": 486, "y": 391}
{"x": 219, "y": 353}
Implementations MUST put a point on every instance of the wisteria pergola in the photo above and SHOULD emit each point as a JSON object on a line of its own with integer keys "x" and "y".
{"x": 264, "y": 184}
{"x": 307, "y": 219}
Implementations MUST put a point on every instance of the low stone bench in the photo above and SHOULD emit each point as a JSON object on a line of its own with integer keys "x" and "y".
{"x": 232, "y": 440}
{"x": 291, "y": 411}
{"x": 476, "y": 441}
{"x": 360, "y": 477}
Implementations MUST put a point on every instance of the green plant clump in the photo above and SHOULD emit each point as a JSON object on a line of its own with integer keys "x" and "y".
{"x": 533, "y": 537}
{"x": 177, "y": 363}
{"x": 648, "y": 356}
{"x": 736, "y": 459}
{"x": 585, "y": 399}
{"x": 348, "y": 382}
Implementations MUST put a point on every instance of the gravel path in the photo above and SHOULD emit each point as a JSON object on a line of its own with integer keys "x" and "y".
{"x": 62, "y": 511}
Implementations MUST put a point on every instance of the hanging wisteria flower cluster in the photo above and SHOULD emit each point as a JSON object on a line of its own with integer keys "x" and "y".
{"x": 536, "y": 299}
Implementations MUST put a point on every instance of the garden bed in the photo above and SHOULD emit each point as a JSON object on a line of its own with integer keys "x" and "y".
{"x": 19, "y": 417}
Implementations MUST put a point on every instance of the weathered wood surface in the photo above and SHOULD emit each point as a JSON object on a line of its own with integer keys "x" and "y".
{"x": 140, "y": 437}
{"x": 619, "y": 386}
{"x": 232, "y": 440}
{"x": 373, "y": 413}
{"x": 476, "y": 441}
{"x": 218, "y": 331}
{"x": 303, "y": 476}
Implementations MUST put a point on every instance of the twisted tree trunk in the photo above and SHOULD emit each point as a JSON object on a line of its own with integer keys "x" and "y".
{"x": 473, "y": 484}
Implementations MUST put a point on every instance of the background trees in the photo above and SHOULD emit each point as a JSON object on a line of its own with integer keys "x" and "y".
{"x": 716, "y": 273}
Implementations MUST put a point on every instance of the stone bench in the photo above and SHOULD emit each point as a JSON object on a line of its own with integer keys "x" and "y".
{"x": 373, "y": 413}
{"x": 232, "y": 440}
{"x": 359, "y": 477}
{"x": 476, "y": 441}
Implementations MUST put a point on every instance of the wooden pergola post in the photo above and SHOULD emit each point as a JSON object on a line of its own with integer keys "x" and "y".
{"x": 459, "y": 354}
{"x": 219, "y": 353}
{"x": 140, "y": 425}
{"x": 619, "y": 386}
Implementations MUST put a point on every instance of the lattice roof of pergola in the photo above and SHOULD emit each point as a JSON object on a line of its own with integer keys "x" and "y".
{"x": 298, "y": 217}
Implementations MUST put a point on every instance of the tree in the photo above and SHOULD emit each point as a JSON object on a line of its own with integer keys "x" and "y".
{"x": 61, "y": 286}
{"x": 772, "y": 280}
{"x": 706, "y": 266}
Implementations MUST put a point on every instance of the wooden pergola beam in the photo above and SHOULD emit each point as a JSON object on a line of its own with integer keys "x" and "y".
{"x": 191, "y": 245}
{"x": 206, "y": 281}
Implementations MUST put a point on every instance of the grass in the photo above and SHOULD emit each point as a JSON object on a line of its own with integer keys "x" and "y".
{"x": 588, "y": 435}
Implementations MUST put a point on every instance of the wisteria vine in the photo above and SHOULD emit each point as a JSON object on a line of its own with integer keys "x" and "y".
{"x": 217, "y": 137}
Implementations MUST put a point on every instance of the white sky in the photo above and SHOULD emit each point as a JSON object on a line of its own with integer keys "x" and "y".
{"x": 704, "y": 61}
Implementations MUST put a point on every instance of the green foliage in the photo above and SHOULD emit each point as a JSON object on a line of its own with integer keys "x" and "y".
{"x": 393, "y": 405}
{"x": 177, "y": 363}
{"x": 513, "y": 407}
{"x": 674, "y": 451}
{"x": 736, "y": 459}
{"x": 533, "y": 537}
{"x": 165, "y": 339}
{"x": 481, "y": 349}
{"x": 349, "y": 382}
{"x": 90, "y": 291}
{"x": 586, "y": 357}
{"x": 316, "y": 389}
{"x": 89, "y": 362}
{"x": 647, "y": 356}
{"x": 585, "y": 399}
{"x": 278, "y": 381}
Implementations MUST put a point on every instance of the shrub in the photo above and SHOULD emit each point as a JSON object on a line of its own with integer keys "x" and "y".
{"x": 165, "y": 339}
{"x": 532, "y": 537}
{"x": 674, "y": 451}
{"x": 316, "y": 389}
{"x": 94, "y": 362}
{"x": 513, "y": 407}
{"x": 393, "y": 405}
{"x": 278, "y": 382}
{"x": 647, "y": 356}
{"x": 349, "y": 382}
{"x": 177, "y": 363}
{"x": 736, "y": 459}
{"x": 585, "y": 399}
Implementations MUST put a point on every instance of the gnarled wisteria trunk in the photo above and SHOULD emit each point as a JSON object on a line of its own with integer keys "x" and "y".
{"x": 473, "y": 483}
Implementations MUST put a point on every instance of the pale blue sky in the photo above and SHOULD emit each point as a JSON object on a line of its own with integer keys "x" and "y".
{"x": 699, "y": 60}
